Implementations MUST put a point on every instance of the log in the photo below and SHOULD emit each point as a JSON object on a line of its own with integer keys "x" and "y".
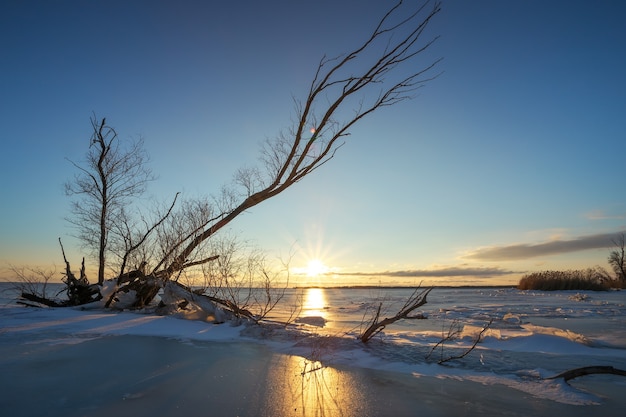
{"x": 174, "y": 291}
{"x": 588, "y": 370}
{"x": 41, "y": 300}
{"x": 146, "y": 287}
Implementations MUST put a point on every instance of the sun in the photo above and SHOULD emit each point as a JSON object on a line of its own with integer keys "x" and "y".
{"x": 315, "y": 267}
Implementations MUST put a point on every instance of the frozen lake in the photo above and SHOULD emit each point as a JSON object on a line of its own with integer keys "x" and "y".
{"x": 533, "y": 335}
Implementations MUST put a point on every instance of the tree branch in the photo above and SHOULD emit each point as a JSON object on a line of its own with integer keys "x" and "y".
{"x": 288, "y": 160}
{"x": 416, "y": 300}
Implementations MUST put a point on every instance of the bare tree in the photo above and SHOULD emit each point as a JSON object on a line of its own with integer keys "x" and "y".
{"x": 182, "y": 225}
{"x": 135, "y": 245}
{"x": 232, "y": 276}
{"x": 240, "y": 279}
{"x": 239, "y": 287}
{"x": 617, "y": 259}
{"x": 270, "y": 294}
{"x": 112, "y": 173}
{"x": 370, "y": 77}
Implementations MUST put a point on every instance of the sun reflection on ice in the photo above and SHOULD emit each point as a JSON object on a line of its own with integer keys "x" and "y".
{"x": 314, "y": 302}
{"x": 307, "y": 388}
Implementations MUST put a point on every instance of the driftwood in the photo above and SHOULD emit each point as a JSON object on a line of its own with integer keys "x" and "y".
{"x": 181, "y": 295}
{"x": 146, "y": 287}
{"x": 41, "y": 300}
{"x": 588, "y": 370}
{"x": 79, "y": 291}
{"x": 132, "y": 275}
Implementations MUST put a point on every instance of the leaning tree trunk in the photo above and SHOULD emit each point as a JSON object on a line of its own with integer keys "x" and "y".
{"x": 330, "y": 109}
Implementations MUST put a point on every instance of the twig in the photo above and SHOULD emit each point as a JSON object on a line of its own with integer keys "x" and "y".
{"x": 478, "y": 339}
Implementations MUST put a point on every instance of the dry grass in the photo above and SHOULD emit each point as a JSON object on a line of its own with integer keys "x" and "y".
{"x": 594, "y": 279}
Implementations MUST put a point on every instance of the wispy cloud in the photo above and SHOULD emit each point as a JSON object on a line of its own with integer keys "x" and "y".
{"x": 436, "y": 273}
{"x": 601, "y": 215}
{"x": 553, "y": 247}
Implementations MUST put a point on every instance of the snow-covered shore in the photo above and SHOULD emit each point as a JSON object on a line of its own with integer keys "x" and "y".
{"x": 96, "y": 362}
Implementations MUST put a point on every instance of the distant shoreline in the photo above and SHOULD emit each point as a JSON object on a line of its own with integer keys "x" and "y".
{"x": 396, "y": 287}
{"x": 334, "y": 287}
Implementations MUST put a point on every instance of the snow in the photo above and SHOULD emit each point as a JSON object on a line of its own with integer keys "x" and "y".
{"x": 317, "y": 321}
{"x": 81, "y": 323}
{"x": 514, "y": 354}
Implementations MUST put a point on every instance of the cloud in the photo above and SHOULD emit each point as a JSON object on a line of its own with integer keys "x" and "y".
{"x": 554, "y": 247}
{"x": 601, "y": 215}
{"x": 436, "y": 273}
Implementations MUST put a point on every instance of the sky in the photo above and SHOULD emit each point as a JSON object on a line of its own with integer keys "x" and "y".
{"x": 511, "y": 161}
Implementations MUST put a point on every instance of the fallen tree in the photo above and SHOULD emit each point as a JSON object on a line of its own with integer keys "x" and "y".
{"x": 178, "y": 296}
{"x": 353, "y": 84}
{"x": 382, "y": 71}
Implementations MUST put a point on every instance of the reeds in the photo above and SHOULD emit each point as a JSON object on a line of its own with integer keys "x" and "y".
{"x": 594, "y": 279}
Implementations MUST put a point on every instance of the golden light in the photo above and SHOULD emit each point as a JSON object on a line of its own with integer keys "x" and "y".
{"x": 314, "y": 302}
{"x": 315, "y": 267}
{"x": 304, "y": 387}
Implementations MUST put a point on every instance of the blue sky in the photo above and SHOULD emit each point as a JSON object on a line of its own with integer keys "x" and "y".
{"x": 511, "y": 161}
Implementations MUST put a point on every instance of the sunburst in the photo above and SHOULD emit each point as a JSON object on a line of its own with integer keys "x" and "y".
{"x": 315, "y": 268}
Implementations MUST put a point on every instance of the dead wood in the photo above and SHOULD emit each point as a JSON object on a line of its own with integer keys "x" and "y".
{"x": 201, "y": 261}
{"x": 41, "y": 300}
{"x": 344, "y": 91}
{"x": 588, "y": 370}
{"x": 145, "y": 288}
{"x": 131, "y": 276}
{"x": 176, "y": 293}
{"x": 416, "y": 300}
{"x": 222, "y": 309}
{"x": 127, "y": 278}
{"x": 79, "y": 291}
{"x": 471, "y": 348}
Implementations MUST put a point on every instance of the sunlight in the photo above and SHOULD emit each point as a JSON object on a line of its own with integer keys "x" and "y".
{"x": 315, "y": 267}
{"x": 314, "y": 302}
{"x": 308, "y": 388}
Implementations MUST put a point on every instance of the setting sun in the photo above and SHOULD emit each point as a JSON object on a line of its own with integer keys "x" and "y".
{"x": 315, "y": 267}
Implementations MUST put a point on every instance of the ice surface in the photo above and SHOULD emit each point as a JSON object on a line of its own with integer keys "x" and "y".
{"x": 533, "y": 335}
